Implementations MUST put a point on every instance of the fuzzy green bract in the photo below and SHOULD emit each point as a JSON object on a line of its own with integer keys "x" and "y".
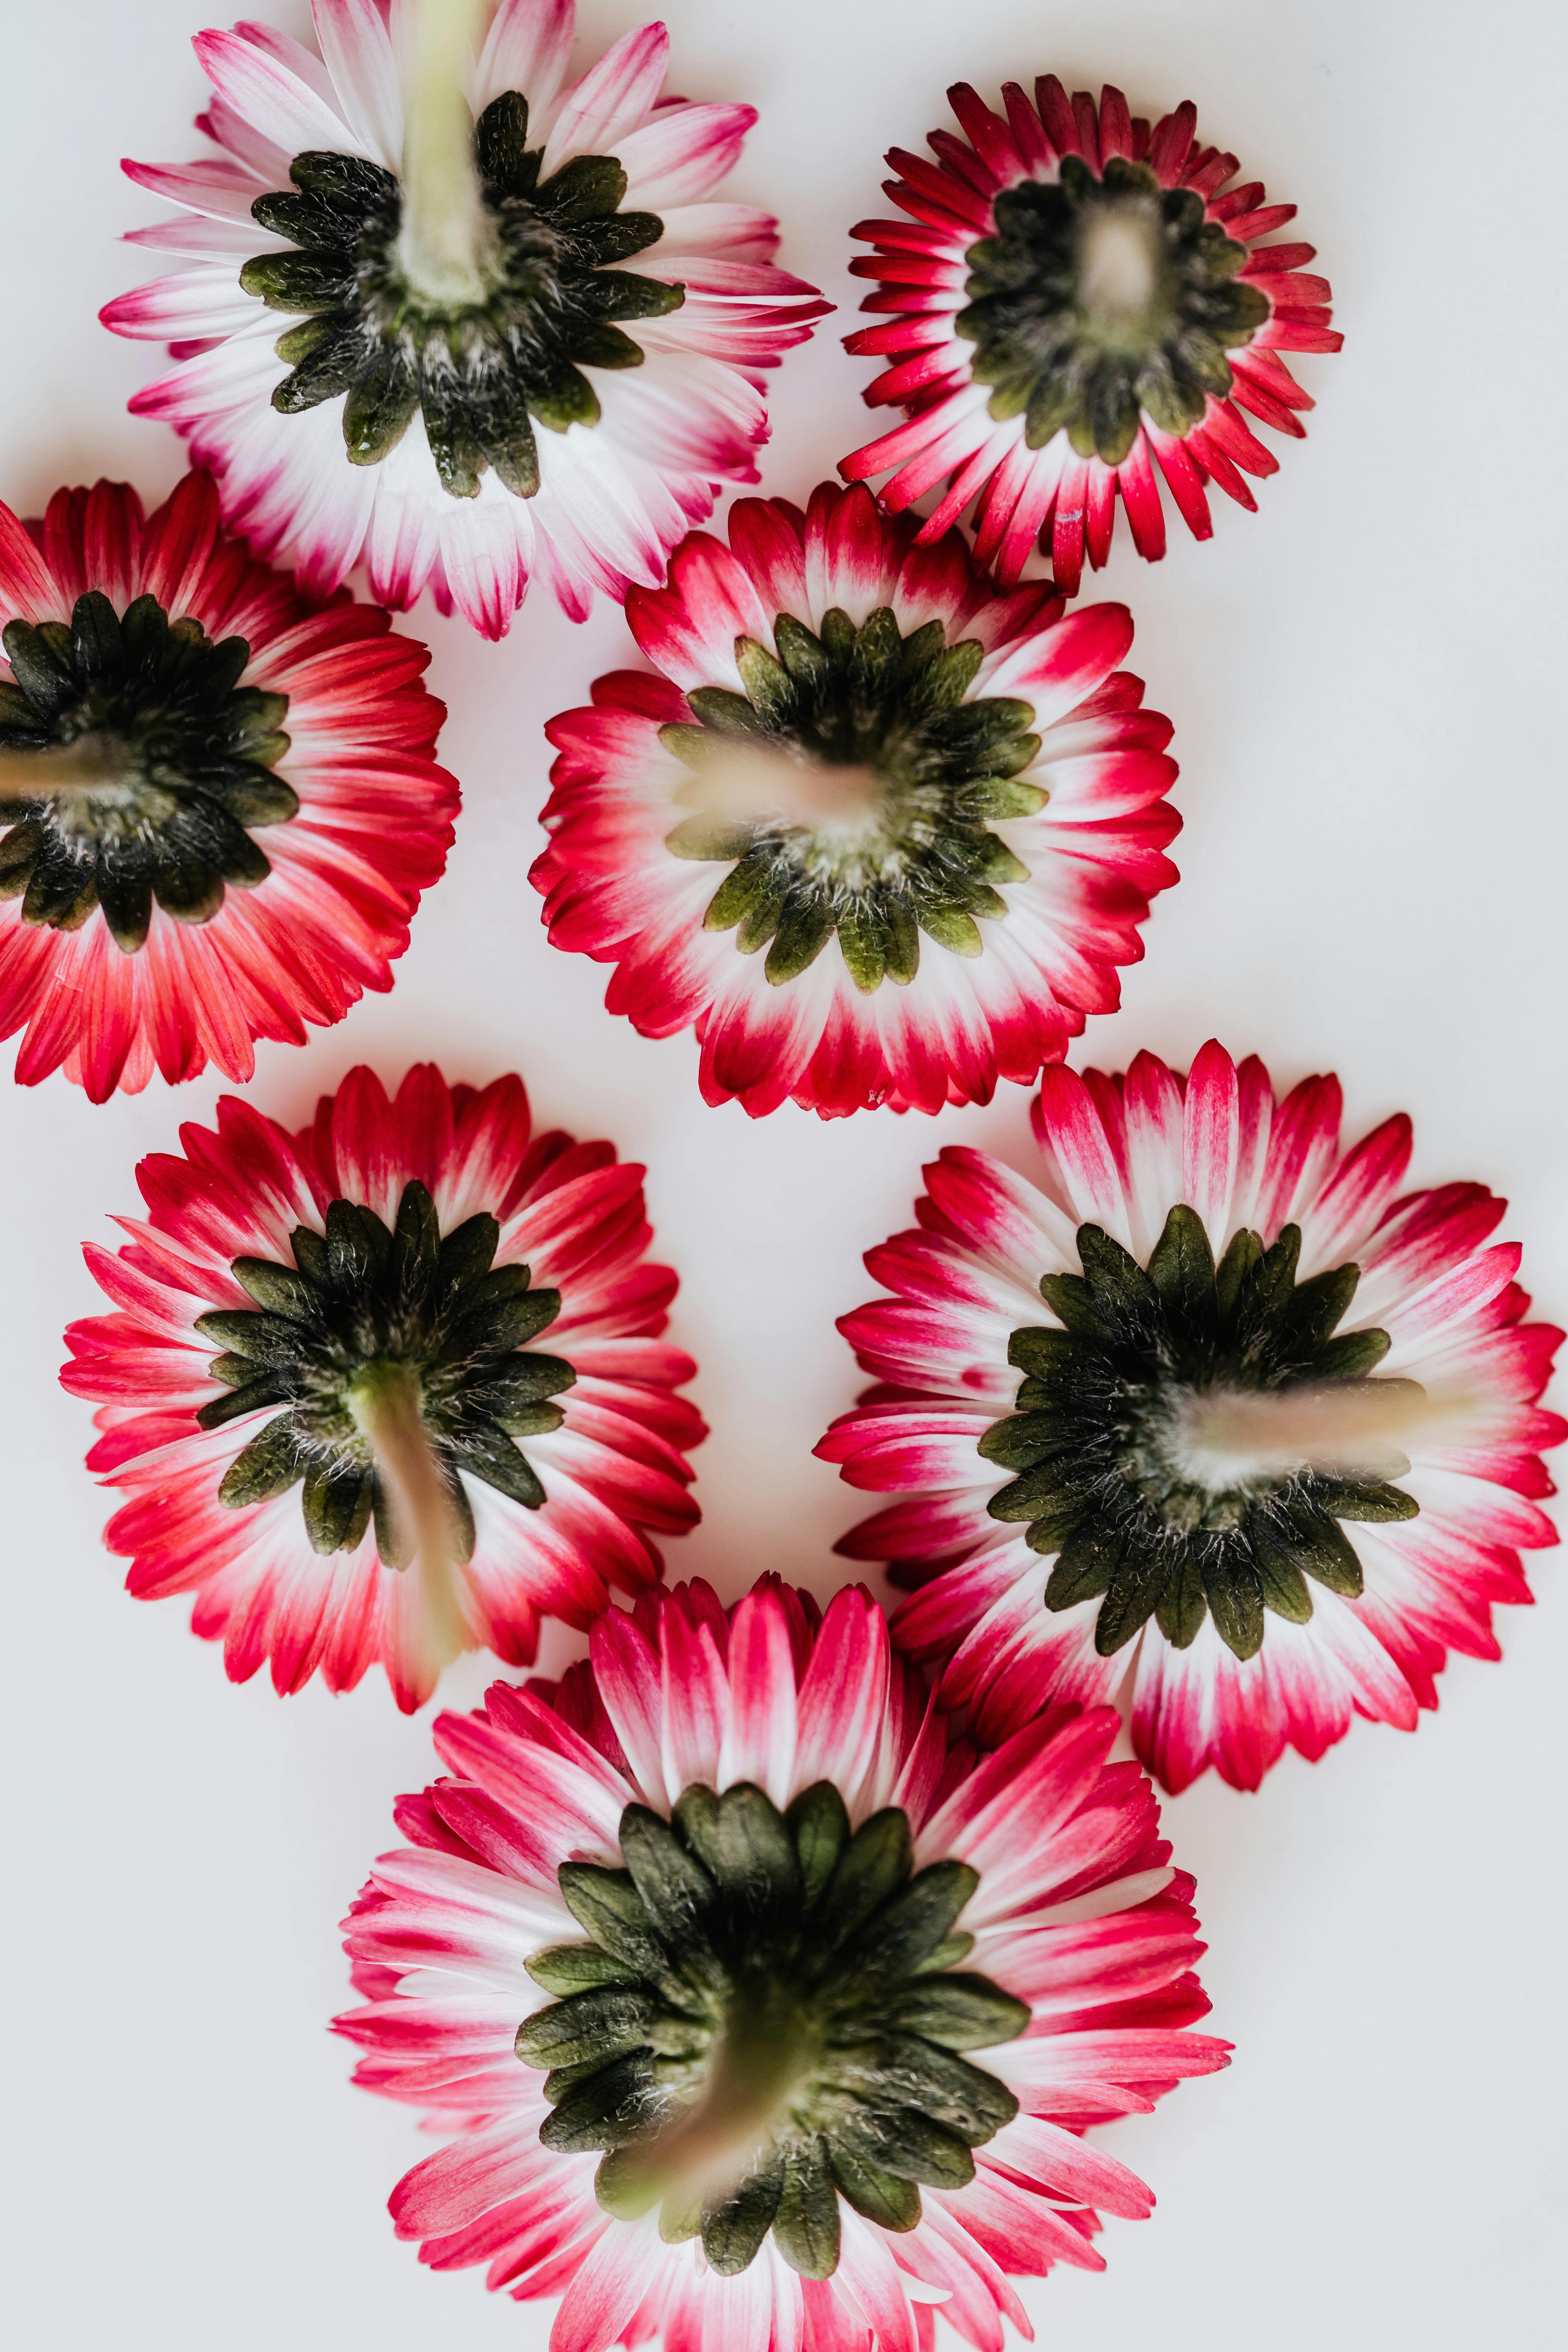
{"x": 1100, "y": 1481}
{"x": 363, "y": 1305}
{"x": 781, "y": 1985}
{"x": 177, "y": 759}
{"x": 924, "y": 857}
{"x": 481, "y": 374}
{"x": 1064, "y": 346}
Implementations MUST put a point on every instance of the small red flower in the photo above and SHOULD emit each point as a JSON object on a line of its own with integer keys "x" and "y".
{"x": 1213, "y": 1408}
{"x": 853, "y": 1990}
{"x": 222, "y": 800}
{"x": 1078, "y": 310}
{"x": 322, "y": 1397}
{"x": 880, "y": 834}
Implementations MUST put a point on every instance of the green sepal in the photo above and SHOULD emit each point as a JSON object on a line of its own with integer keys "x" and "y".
{"x": 806, "y": 2222}
{"x": 614, "y": 2106}
{"x": 733, "y": 2227}
{"x": 1084, "y": 1570}
{"x": 1183, "y": 1606}
{"x": 268, "y": 1465}
{"x": 674, "y": 1886}
{"x": 818, "y": 1822}
{"x": 959, "y": 2012}
{"x": 909, "y": 1926}
{"x": 1285, "y": 1590}
{"x": 880, "y": 2197}
{"x": 1137, "y": 1584}
{"x": 279, "y": 1290}
{"x": 1351, "y": 1355}
{"x": 805, "y": 927}
{"x": 873, "y": 1866}
{"x": 1234, "y": 1591}
{"x": 566, "y": 1969}
{"x": 1182, "y": 1268}
{"x": 911, "y": 2146}
{"x": 1371, "y": 1500}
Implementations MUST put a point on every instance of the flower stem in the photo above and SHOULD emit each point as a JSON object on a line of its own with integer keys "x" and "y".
{"x": 385, "y": 1401}
{"x": 85, "y": 766}
{"x": 1226, "y": 1436}
{"x": 447, "y": 245}
{"x": 762, "y": 2053}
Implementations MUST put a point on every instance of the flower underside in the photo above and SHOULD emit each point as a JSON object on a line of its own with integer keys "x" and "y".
{"x": 924, "y": 773}
{"x": 135, "y": 766}
{"x": 1099, "y": 298}
{"x": 1108, "y": 1477}
{"x": 767, "y": 2017}
{"x": 368, "y": 1328}
{"x": 483, "y": 372}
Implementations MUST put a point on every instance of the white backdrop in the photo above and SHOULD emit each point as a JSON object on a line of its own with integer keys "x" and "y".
{"x": 1366, "y": 681}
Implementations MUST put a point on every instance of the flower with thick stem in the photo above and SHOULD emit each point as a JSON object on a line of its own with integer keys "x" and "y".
{"x": 445, "y": 311}
{"x": 220, "y": 799}
{"x": 323, "y": 1402}
{"x": 762, "y": 2010}
{"x": 1082, "y": 304}
{"x": 1211, "y": 1411}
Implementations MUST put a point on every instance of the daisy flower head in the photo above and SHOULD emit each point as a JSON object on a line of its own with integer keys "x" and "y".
{"x": 218, "y": 802}
{"x": 880, "y": 832}
{"x": 1212, "y": 1408}
{"x": 1080, "y": 305}
{"x": 447, "y": 310}
{"x": 389, "y": 1389}
{"x": 761, "y": 2010}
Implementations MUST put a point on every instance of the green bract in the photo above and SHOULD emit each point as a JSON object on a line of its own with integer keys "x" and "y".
{"x": 922, "y": 857}
{"x": 1099, "y": 298}
{"x": 1101, "y": 1480}
{"x": 154, "y": 766}
{"x": 479, "y": 372}
{"x": 778, "y": 1988}
{"x": 361, "y": 1310}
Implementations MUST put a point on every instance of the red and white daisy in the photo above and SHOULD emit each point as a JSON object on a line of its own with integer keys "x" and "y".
{"x": 450, "y": 313}
{"x": 322, "y": 1397}
{"x": 1199, "y": 1487}
{"x": 733, "y": 1882}
{"x": 1077, "y": 310}
{"x": 937, "y": 807}
{"x": 221, "y": 801}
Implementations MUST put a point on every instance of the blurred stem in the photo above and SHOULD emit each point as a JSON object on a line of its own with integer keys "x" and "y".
{"x": 447, "y": 245}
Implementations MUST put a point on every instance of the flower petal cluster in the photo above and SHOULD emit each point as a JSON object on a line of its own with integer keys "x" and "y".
{"x": 1080, "y": 307}
{"x": 986, "y": 828}
{"x": 688, "y": 1715}
{"x": 1250, "y": 1609}
{"x": 222, "y": 799}
{"x": 434, "y": 1235}
{"x": 406, "y": 437}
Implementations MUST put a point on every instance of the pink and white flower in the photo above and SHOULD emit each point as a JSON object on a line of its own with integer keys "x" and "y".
{"x": 760, "y": 2131}
{"x": 940, "y": 809}
{"x": 222, "y": 800}
{"x": 446, "y": 290}
{"x": 1224, "y": 1510}
{"x": 1081, "y": 306}
{"x": 353, "y": 1307}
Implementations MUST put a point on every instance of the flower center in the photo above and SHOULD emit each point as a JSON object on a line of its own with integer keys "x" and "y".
{"x": 133, "y": 767}
{"x": 1095, "y": 298}
{"x": 400, "y": 1359}
{"x": 483, "y": 343}
{"x": 855, "y": 788}
{"x": 1192, "y": 1437}
{"x": 767, "y": 2017}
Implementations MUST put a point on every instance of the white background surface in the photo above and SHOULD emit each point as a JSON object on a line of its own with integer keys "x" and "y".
{"x": 1366, "y": 680}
